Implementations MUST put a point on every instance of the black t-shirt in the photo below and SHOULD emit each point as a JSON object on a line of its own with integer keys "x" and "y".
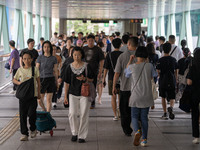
{"x": 153, "y": 59}
{"x": 33, "y": 52}
{"x": 68, "y": 61}
{"x": 166, "y": 65}
{"x": 107, "y": 64}
{"x": 194, "y": 75}
{"x": 93, "y": 56}
{"x": 75, "y": 84}
{"x": 183, "y": 65}
{"x": 64, "y": 52}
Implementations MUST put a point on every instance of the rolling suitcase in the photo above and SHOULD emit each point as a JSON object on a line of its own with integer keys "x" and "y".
{"x": 45, "y": 122}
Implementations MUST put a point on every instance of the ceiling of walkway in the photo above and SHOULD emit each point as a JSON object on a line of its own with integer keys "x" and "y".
{"x": 116, "y": 9}
{"x": 99, "y": 9}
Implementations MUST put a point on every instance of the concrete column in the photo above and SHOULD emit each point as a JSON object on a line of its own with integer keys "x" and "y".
{"x": 161, "y": 21}
{"x": 152, "y": 4}
{"x": 62, "y": 26}
{"x": 171, "y": 28}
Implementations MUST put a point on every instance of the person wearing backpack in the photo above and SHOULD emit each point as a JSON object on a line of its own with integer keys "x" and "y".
{"x": 167, "y": 70}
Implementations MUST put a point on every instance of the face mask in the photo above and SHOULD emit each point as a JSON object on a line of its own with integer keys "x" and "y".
{"x": 57, "y": 53}
{"x": 59, "y": 41}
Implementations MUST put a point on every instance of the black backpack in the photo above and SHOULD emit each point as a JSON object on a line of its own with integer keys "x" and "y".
{"x": 168, "y": 79}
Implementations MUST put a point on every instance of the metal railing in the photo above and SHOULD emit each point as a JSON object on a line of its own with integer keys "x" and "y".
{"x": 5, "y": 76}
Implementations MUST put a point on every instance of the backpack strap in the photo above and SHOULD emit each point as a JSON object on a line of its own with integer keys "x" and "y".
{"x": 33, "y": 71}
{"x": 173, "y": 50}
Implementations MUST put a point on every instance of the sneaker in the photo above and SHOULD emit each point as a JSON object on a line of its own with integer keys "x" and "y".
{"x": 137, "y": 137}
{"x": 74, "y": 138}
{"x": 12, "y": 92}
{"x": 92, "y": 106}
{"x": 144, "y": 142}
{"x": 33, "y": 133}
{"x": 115, "y": 118}
{"x": 54, "y": 105}
{"x": 81, "y": 140}
{"x": 164, "y": 117}
{"x": 171, "y": 114}
{"x": 195, "y": 141}
{"x": 118, "y": 113}
{"x": 24, "y": 138}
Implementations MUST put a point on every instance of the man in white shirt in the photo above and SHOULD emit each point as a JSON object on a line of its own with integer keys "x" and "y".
{"x": 54, "y": 39}
{"x": 175, "y": 52}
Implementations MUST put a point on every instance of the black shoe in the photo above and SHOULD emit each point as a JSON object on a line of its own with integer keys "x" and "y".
{"x": 81, "y": 140}
{"x": 66, "y": 105}
{"x": 171, "y": 114}
{"x": 128, "y": 134}
{"x": 74, "y": 138}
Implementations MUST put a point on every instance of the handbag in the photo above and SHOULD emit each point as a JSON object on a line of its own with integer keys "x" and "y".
{"x": 88, "y": 89}
{"x": 154, "y": 91}
{"x": 7, "y": 65}
{"x": 25, "y": 90}
{"x": 186, "y": 99}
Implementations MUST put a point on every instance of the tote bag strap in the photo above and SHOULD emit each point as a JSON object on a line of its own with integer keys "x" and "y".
{"x": 138, "y": 77}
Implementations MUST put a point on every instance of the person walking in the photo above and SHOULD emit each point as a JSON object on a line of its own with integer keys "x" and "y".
{"x": 109, "y": 67}
{"x": 125, "y": 85}
{"x": 95, "y": 57}
{"x": 141, "y": 98}
{"x": 77, "y": 73}
{"x": 47, "y": 65}
{"x": 27, "y": 107}
{"x": 194, "y": 81}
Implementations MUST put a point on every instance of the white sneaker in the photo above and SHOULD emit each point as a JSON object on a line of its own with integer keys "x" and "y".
{"x": 24, "y": 138}
{"x": 115, "y": 118}
{"x": 12, "y": 92}
{"x": 33, "y": 134}
{"x": 195, "y": 141}
{"x": 54, "y": 105}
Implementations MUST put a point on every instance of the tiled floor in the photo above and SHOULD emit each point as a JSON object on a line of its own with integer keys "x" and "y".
{"x": 104, "y": 133}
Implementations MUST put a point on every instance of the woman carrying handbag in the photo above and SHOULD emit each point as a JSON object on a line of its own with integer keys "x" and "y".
{"x": 76, "y": 78}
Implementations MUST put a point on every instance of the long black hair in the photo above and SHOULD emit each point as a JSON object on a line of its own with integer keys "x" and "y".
{"x": 51, "y": 48}
{"x": 196, "y": 59}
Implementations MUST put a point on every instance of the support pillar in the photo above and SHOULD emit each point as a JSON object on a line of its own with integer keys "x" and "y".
{"x": 161, "y": 19}
{"x": 171, "y": 26}
{"x": 62, "y": 26}
{"x": 4, "y": 28}
{"x": 152, "y": 4}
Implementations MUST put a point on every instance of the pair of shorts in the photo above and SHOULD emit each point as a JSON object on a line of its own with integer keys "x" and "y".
{"x": 110, "y": 87}
{"x": 167, "y": 93}
{"x": 48, "y": 85}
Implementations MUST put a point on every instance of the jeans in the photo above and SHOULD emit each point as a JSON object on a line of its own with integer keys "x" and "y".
{"x": 140, "y": 114}
{"x": 125, "y": 112}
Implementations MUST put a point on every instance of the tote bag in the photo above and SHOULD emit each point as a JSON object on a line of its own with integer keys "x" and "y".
{"x": 25, "y": 90}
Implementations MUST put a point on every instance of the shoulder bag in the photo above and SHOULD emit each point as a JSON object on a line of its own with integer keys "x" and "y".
{"x": 88, "y": 89}
{"x": 138, "y": 77}
{"x": 25, "y": 91}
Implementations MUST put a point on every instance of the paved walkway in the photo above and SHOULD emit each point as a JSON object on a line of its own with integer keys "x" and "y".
{"x": 104, "y": 133}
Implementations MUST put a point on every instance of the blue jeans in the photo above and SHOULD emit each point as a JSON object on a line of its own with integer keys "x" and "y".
{"x": 140, "y": 114}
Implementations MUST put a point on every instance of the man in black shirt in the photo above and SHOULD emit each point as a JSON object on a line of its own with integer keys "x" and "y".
{"x": 109, "y": 66}
{"x": 95, "y": 57}
{"x": 167, "y": 70}
{"x": 34, "y": 52}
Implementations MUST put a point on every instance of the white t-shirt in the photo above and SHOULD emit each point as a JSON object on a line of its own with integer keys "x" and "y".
{"x": 177, "y": 54}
